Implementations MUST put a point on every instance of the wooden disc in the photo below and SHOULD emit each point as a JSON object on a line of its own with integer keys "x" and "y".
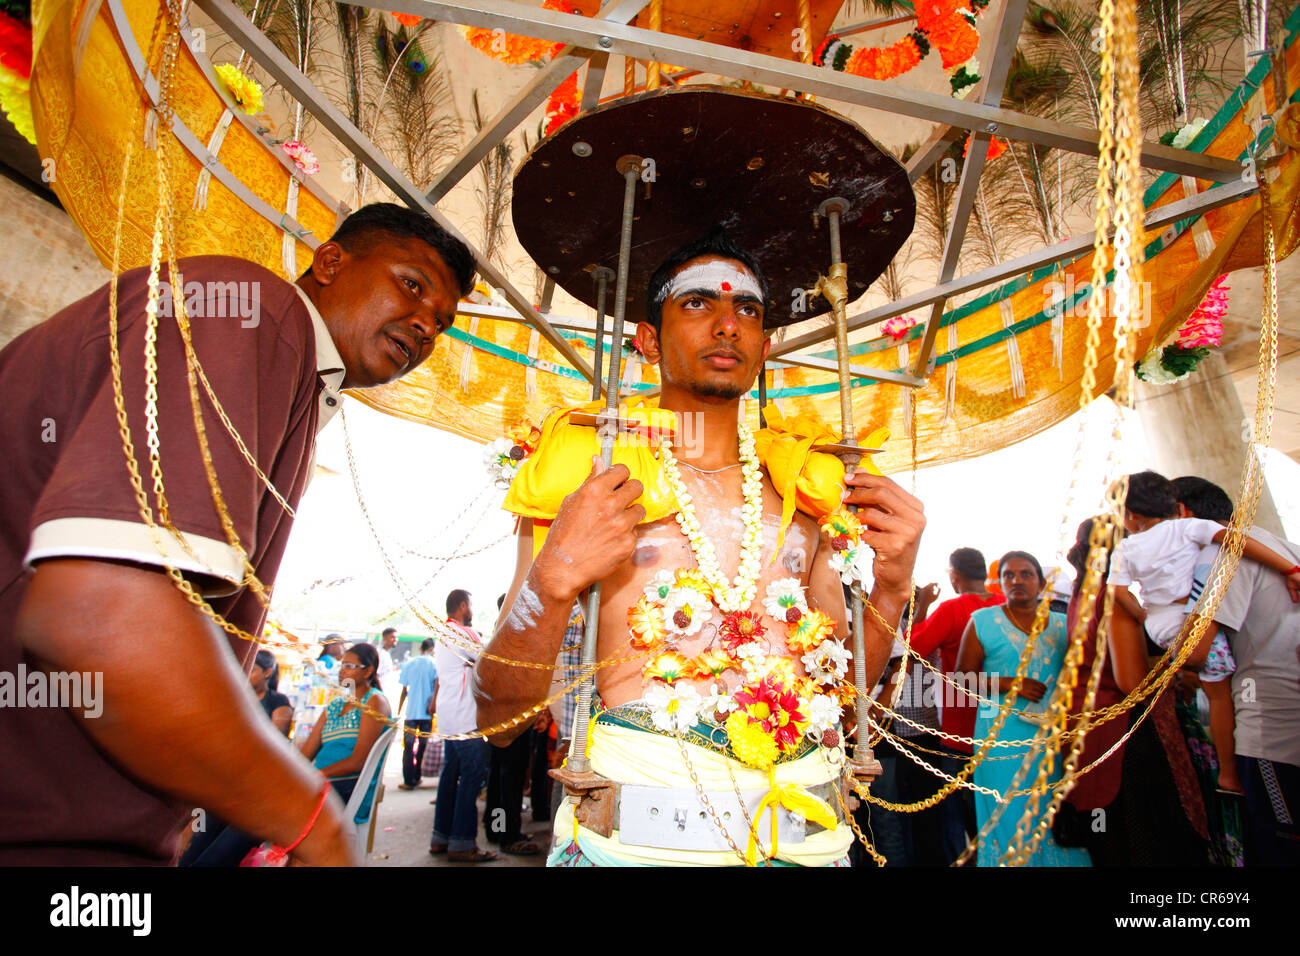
{"x": 756, "y": 164}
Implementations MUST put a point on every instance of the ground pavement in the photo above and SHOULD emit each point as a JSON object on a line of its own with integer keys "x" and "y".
{"x": 406, "y": 822}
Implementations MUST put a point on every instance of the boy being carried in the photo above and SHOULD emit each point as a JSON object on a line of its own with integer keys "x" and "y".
{"x": 1159, "y": 554}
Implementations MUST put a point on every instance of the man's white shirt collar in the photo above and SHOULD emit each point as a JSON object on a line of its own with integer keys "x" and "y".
{"x": 329, "y": 364}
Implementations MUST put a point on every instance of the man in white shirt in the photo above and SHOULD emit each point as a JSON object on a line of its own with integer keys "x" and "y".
{"x": 387, "y": 668}
{"x": 1264, "y": 629}
{"x": 465, "y": 767}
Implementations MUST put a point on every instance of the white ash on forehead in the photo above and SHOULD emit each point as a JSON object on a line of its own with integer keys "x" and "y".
{"x": 719, "y": 276}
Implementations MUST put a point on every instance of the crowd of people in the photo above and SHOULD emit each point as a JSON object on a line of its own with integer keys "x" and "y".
{"x": 650, "y": 531}
{"x": 1163, "y": 783}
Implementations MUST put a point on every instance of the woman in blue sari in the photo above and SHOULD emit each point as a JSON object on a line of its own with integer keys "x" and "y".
{"x": 993, "y": 644}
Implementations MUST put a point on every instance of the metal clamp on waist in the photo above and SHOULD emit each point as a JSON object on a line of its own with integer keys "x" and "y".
{"x": 673, "y": 818}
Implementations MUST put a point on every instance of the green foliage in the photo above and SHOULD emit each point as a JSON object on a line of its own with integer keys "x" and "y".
{"x": 1179, "y": 360}
{"x": 20, "y": 10}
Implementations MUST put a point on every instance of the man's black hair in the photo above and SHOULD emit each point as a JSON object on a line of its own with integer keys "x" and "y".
{"x": 379, "y": 220}
{"x": 387, "y": 631}
{"x": 1023, "y": 556}
{"x": 1151, "y": 495}
{"x": 455, "y": 599}
{"x": 1204, "y": 499}
{"x": 426, "y": 645}
{"x": 969, "y": 563}
{"x": 714, "y": 243}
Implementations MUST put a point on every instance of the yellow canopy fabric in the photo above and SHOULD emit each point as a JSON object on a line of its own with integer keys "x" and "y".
{"x": 996, "y": 381}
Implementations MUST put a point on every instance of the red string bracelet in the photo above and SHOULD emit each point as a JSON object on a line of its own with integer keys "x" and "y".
{"x": 276, "y": 854}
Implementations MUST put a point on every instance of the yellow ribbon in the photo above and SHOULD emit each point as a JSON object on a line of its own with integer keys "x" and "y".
{"x": 811, "y": 481}
{"x": 795, "y": 799}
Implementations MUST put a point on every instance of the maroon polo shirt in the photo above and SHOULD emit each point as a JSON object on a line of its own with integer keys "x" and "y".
{"x": 66, "y": 492}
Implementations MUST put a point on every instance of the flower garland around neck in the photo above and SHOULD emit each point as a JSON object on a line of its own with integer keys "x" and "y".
{"x": 774, "y": 708}
{"x": 728, "y": 597}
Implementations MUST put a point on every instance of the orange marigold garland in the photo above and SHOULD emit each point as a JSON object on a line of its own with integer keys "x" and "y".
{"x": 945, "y": 25}
{"x": 996, "y": 148}
{"x": 562, "y": 105}
{"x": 509, "y": 48}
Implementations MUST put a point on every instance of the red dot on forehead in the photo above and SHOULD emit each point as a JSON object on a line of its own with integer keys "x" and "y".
{"x": 726, "y": 287}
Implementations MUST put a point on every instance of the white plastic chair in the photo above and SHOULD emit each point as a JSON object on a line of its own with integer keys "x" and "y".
{"x": 364, "y": 833}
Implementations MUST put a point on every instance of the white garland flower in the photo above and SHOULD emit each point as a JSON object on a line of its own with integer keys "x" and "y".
{"x": 674, "y": 709}
{"x": 753, "y": 659}
{"x": 1151, "y": 370}
{"x": 740, "y": 594}
{"x": 698, "y": 610}
{"x": 823, "y": 714}
{"x": 659, "y": 587}
{"x": 827, "y": 662}
{"x": 855, "y": 564}
{"x": 782, "y": 595}
{"x": 719, "y": 701}
{"x": 1189, "y": 133}
{"x": 501, "y": 467}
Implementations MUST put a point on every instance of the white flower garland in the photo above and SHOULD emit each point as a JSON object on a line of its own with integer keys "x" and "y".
{"x": 740, "y": 595}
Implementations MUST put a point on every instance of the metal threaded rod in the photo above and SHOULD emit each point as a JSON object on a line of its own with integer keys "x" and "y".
{"x": 857, "y": 621}
{"x": 602, "y": 276}
{"x": 631, "y": 172}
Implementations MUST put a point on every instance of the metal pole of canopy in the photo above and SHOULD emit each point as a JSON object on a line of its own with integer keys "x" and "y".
{"x": 835, "y": 288}
{"x": 630, "y": 167}
{"x": 601, "y": 275}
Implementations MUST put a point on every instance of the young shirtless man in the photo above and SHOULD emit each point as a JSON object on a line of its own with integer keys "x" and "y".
{"x": 706, "y": 332}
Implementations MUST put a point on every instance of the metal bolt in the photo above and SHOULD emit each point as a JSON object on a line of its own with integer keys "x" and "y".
{"x": 553, "y": 270}
{"x": 991, "y": 128}
{"x": 888, "y": 215}
{"x": 605, "y": 42}
{"x": 581, "y": 149}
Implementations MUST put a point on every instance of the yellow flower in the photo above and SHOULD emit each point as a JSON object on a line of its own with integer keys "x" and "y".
{"x": 524, "y": 433}
{"x": 645, "y": 623}
{"x": 16, "y": 102}
{"x": 809, "y": 631}
{"x": 668, "y": 667}
{"x": 842, "y": 523}
{"x": 246, "y": 93}
{"x": 752, "y": 745}
{"x": 711, "y": 663}
{"x": 780, "y": 669}
{"x": 694, "y": 579}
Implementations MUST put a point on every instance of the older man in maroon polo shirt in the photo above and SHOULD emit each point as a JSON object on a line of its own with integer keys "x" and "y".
{"x": 84, "y": 589}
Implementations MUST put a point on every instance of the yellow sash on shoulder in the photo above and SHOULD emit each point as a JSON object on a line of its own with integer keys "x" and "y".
{"x": 562, "y": 463}
{"x": 805, "y": 479}
{"x": 811, "y": 481}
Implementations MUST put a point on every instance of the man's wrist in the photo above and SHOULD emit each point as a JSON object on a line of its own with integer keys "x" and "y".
{"x": 326, "y": 844}
{"x": 548, "y": 583}
{"x": 889, "y": 604}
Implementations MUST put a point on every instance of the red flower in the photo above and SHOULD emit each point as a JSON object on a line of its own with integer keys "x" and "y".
{"x": 740, "y": 627}
{"x": 15, "y": 45}
{"x": 776, "y": 709}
